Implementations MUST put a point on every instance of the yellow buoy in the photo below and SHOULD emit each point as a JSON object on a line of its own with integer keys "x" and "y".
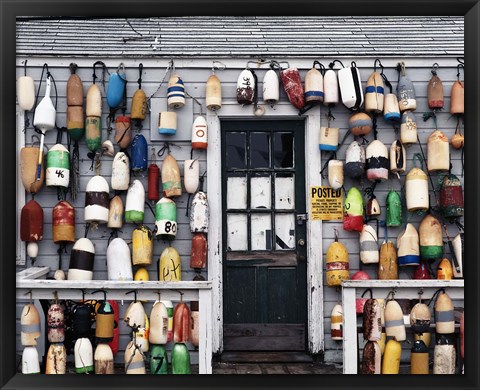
{"x": 391, "y": 357}
{"x": 337, "y": 264}
{"x": 141, "y": 275}
{"x": 170, "y": 266}
{"x": 388, "y": 267}
{"x": 142, "y": 246}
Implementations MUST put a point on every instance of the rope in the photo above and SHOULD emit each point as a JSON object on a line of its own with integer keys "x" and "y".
{"x": 170, "y": 65}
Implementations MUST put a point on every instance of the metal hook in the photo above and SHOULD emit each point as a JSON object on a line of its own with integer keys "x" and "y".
{"x": 104, "y": 293}
{"x": 420, "y": 293}
{"x": 221, "y": 67}
{"x": 434, "y": 68}
{"x": 83, "y": 294}
{"x": 140, "y": 69}
{"x": 29, "y": 292}
{"x": 159, "y": 297}
{"x": 134, "y": 294}
{"x": 55, "y": 296}
{"x": 336, "y": 234}
{"x": 25, "y": 67}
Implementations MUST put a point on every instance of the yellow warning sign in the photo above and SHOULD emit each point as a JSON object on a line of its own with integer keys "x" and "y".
{"x": 326, "y": 204}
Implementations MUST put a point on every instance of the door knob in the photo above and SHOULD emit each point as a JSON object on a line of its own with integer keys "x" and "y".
{"x": 301, "y": 242}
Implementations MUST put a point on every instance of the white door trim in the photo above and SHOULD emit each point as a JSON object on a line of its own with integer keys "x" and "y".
{"x": 231, "y": 110}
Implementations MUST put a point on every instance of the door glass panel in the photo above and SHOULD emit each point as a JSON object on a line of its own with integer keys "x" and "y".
{"x": 283, "y": 150}
{"x": 284, "y": 231}
{"x": 236, "y": 146}
{"x": 261, "y": 232}
{"x": 284, "y": 192}
{"x": 237, "y": 232}
{"x": 237, "y": 192}
{"x": 260, "y": 192}
{"x": 259, "y": 150}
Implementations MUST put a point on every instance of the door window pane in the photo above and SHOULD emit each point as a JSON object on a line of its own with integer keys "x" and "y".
{"x": 284, "y": 192}
{"x": 237, "y": 232}
{"x": 260, "y": 192}
{"x": 283, "y": 150}
{"x": 236, "y": 146}
{"x": 237, "y": 192}
{"x": 259, "y": 150}
{"x": 261, "y": 230}
{"x": 284, "y": 231}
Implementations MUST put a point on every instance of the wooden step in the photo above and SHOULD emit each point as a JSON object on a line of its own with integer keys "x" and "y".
{"x": 265, "y": 357}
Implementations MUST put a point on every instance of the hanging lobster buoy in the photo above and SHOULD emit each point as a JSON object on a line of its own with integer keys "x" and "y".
{"x": 198, "y": 255}
{"x": 94, "y": 101}
{"x": 360, "y": 123}
{"x": 391, "y": 109}
{"x": 30, "y": 326}
{"x": 181, "y": 323}
{"x": 135, "y": 315}
{"x": 116, "y": 87}
{"x": 139, "y": 153}
{"x": 191, "y": 178}
{"x": 119, "y": 266}
{"x": 120, "y": 172}
{"x": 96, "y": 200}
{"x": 438, "y": 152}
{"x": 372, "y": 325}
{"x": 394, "y": 209}
{"x": 123, "y": 131}
{"x": 81, "y": 260}
{"x": 115, "y": 213}
{"x": 431, "y": 238}
{"x": 292, "y": 84}
{"x": 373, "y": 207}
{"x": 444, "y": 314}
{"x": 25, "y": 92}
{"x": 103, "y": 359}
{"x": 457, "y": 98}
{"x": 405, "y": 91}
{"x": 139, "y": 105}
{"x": 368, "y": 245}
{"x": 93, "y": 133}
{"x": 195, "y": 324}
{"x": 135, "y": 203}
{"x": 444, "y": 356}
{"x": 166, "y": 219}
{"x": 213, "y": 93}
{"x": 335, "y": 174}
{"x": 451, "y": 197}
{"x": 355, "y": 160}
{"x": 391, "y": 357}
{"x": 353, "y": 211}
{"x": 199, "y": 213}
{"x": 158, "y": 324}
{"x": 142, "y": 245}
{"x": 167, "y": 123}
{"x": 416, "y": 188}
{"x": 445, "y": 270}
{"x": 31, "y": 222}
{"x": 30, "y": 362}
{"x": 56, "y": 363}
{"x": 435, "y": 91}
{"x": 74, "y": 88}
{"x": 171, "y": 183}
{"x": 245, "y": 87}
{"x": 374, "y": 93}
{"x": 153, "y": 180}
{"x": 458, "y": 243}
{"x": 337, "y": 264}
{"x": 180, "y": 359}
{"x": 134, "y": 359}
{"x": 408, "y": 128}
{"x": 398, "y": 157}
{"x": 175, "y": 92}
{"x": 408, "y": 246}
{"x": 377, "y": 161}
{"x": 313, "y": 85}
{"x": 83, "y": 356}
{"x": 75, "y": 115}
{"x": 329, "y": 138}
{"x": 330, "y": 88}
{"x": 105, "y": 323}
{"x": 350, "y": 87}
{"x": 29, "y": 157}
{"x": 388, "y": 268}
{"x": 158, "y": 360}
{"x": 420, "y": 318}
{"x": 271, "y": 88}
{"x": 457, "y": 141}
{"x": 170, "y": 266}
{"x": 58, "y": 166}
{"x": 394, "y": 324}
{"x": 199, "y": 133}
{"x": 371, "y": 358}
{"x": 336, "y": 323}
{"x": 55, "y": 324}
{"x": 419, "y": 358}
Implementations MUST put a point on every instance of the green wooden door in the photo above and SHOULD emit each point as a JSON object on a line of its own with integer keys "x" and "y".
{"x": 264, "y": 235}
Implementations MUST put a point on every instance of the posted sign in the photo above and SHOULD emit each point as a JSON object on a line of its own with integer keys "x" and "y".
{"x": 326, "y": 204}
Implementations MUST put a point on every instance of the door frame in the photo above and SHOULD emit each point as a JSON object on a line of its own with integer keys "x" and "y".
{"x": 232, "y": 110}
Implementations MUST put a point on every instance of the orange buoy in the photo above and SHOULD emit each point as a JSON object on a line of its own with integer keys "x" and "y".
{"x": 445, "y": 270}
{"x": 63, "y": 223}
{"x": 388, "y": 267}
{"x": 28, "y": 167}
{"x": 457, "y": 104}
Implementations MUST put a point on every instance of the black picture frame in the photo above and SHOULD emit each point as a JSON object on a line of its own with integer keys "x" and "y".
{"x": 9, "y": 9}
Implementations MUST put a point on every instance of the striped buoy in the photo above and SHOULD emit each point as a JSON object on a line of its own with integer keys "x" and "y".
{"x": 371, "y": 358}
{"x": 408, "y": 246}
{"x": 58, "y": 166}
{"x": 387, "y": 267}
{"x": 142, "y": 245}
{"x": 119, "y": 265}
{"x": 416, "y": 188}
{"x": 313, "y": 85}
{"x": 369, "y": 245}
{"x": 438, "y": 152}
{"x": 93, "y": 133}
{"x": 336, "y": 323}
{"x": 394, "y": 323}
{"x": 329, "y": 138}
{"x": 419, "y": 358}
{"x": 103, "y": 359}
{"x": 360, "y": 123}
{"x": 191, "y": 178}
{"x": 431, "y": 238}
{"x": 135, "y": 203}
{"x": 167, "y": 123}
{"x": 120, "y": 172}
{"x": 374, "y": 93}
{"x": 81, "y": 260}
{"x": 56, "y": 360}
{"x": 408, "y": 128}
{"x": 335, "y": 174}
{"x": 391, "y": 110}
{"x": 30, "y": 326}
{"x": 181, "y": 323}
{"x": 198, "y": 254}
{"x": 83, "y": 356}
{"x": 175, "y": 92}
{"x": 199, "y": 213}
{"x": 444, "y": 314}
{"x": 377, "y": 161}
{"x": 372, "y": 325}
{"x": 213, "y": 93}
{"x": 170, "y": 266}
{"x": 115, "y": 213}
{"x": 199, "y": 133}
{"x": 355, "y": 160}
{"x": 75, "y": 122}
{"x": 172, "y": 186}
{"x": 96, "y": 200}
{"x": 337, "y": 264}
{"x": 398, "y": 157}
{"x": 30, "y": 362}
{"x": 166, "y": 219}
{"x": 353, "y": 211}
{"x": 394, "y": 209}
{"x": 158, "y": 324}
{"x": 420, "y": 318}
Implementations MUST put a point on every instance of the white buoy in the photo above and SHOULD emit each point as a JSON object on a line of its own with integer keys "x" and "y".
{"x": 119, "y": 265}
{"x": 135, "y": 204}
{"x": 271, "y": 88}
{"x": 120, "y": 172}
{"x": 199, "y": 213}
{"x": 191, "y": 178}
{"x": 30, "y": 362}
{"x": 83, "y": 356}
